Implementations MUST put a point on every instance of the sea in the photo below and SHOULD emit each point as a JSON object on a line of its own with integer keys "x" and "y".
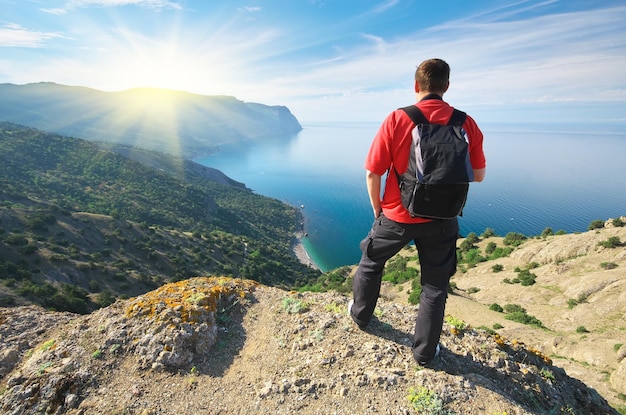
{"x": 561, "y": 177}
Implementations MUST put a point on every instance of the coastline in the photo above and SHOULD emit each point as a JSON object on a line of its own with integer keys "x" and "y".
{"x": 301, "y": 252}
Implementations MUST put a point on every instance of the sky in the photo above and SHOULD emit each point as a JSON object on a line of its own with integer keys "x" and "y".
{"x": 333, "y": 60}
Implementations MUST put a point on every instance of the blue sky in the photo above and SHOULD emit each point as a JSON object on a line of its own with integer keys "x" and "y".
{"x": 333, "y": 60}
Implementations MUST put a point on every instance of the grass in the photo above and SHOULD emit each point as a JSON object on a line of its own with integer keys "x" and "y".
{"x": 334, "y": 308}
{"x": 47, "y": 345}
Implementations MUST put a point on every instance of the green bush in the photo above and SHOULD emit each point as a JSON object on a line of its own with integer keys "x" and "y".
{"x": 524, "y": 319}
{"x": 500, "y": 252}
{"x": 496, "y": 307}
{"x": 416, "y": 291}
{"x": 472, "y": 238}
{"x": 515, "y": 312}
{"x": 514, "y": 239}
{"x": 497, "y": 268}
{"x": 488, "y": 233}
{"x": 514, "y": 308}
{"x": 612, "y": 242}
{"x": 490, "y": 248}
{"x": 16, "y": 239}
{"x": 526, "y": 278}
{"x": 397, "y": 271}
{"x": 608, "y": 265}
{"x": 425, "y": 401}
{"x": 596, "y": 224}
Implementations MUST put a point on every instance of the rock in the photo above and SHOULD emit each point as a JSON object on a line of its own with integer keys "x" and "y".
{"x": 618, "y": 377}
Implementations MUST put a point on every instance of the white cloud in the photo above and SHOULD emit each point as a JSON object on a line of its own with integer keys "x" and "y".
{"x": 13, "y": 35}
{"x": 150, "y": 4}
{"x": 506, "y": 61}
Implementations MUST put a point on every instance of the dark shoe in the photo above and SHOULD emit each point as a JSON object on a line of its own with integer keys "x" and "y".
{"x": 426, "y": 362}
{"x": 359, "y": 324}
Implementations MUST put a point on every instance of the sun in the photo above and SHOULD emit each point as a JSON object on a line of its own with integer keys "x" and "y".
{"x": 164, "y": 68}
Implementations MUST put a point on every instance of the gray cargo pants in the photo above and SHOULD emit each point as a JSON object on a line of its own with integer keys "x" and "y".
{"x": 436, "y": 246}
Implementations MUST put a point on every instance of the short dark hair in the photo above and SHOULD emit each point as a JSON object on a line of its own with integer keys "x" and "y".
{"x": 433, "y": 75}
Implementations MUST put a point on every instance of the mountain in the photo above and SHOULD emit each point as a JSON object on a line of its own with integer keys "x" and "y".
{"x": 212, "y": 345}
{"x": 82, "y": 225}
{"x": 171, "y": 122}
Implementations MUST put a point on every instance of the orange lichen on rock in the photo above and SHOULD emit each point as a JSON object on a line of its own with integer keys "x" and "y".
{"x": 516, "y": 347}
{"x": 189, "y": 299}
{"x": 176, "y": 323}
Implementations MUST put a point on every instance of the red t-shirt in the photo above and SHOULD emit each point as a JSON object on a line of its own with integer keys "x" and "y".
{"x": 391, "y": 146}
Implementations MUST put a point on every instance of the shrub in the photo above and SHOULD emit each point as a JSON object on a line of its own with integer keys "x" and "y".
{"x": 425, "y": 401}
{"x": 466, "y": 245}
{"x": 488, "y": 233}
{"x": 416, "y": 291}
{"x": 612, "y": 242}
{"x": 497, "y": 326}
{"x": 496, "y": 307}
{"x": 524, "y": 319}
{"x": 596, "y": 224}
{"x": 514, "y": 239}
{"x": 473, "y": 290}
{"x": 497, "y": 268}
{"x": 608, "y": 265}
{"x": 490, "y": 248}
{"x": 16, "y": 239}
{"x": 618, "y": 222}
{"x": 500, "y": 252}
{"x": 547, "y": 232}
{"x": 526, "y": 278}
{"x": 514, "y": 308}
{"x": 294, "y": 306}
{"x": 473, "y": 256}
{"x": 105, "y": 298}
{"x": 472, "y": 238}
{"x": 456, "y": 323}
{"x": 581, "y": 329}
{"x": 397, "y": 271}
{"x": 515, "y": 312}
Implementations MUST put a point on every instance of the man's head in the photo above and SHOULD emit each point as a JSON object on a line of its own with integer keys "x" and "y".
{"x": 432, "y": 76}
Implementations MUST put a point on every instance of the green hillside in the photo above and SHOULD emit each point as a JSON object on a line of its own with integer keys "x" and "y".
{"x": 81, "y": 225}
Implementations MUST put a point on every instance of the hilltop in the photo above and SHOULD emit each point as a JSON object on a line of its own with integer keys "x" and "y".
{"x": 228, "y": 346}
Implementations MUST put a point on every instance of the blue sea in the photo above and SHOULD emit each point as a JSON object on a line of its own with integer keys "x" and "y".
{"x": 538, "y": 176}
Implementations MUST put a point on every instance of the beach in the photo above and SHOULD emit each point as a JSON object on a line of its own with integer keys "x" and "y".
{"x": 302, "y": 254}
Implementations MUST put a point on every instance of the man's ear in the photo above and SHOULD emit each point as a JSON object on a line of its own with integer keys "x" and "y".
{"x": 447, "y": 86}
{"x": 417, "y": 87}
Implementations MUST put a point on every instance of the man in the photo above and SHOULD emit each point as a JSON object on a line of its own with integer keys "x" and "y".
{"x": 394, "y": 227}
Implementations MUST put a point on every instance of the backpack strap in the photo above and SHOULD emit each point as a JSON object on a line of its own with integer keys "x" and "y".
{"x": 417, "y": 116}
{"x": 458, "y": 118}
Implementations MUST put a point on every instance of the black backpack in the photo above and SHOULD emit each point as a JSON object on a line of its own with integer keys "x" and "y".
{"x": 436, "y": 182}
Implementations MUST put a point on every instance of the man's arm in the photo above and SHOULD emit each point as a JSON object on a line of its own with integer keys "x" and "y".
{"x": 373, "y": 181}
{"x": 479, "y": 175}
